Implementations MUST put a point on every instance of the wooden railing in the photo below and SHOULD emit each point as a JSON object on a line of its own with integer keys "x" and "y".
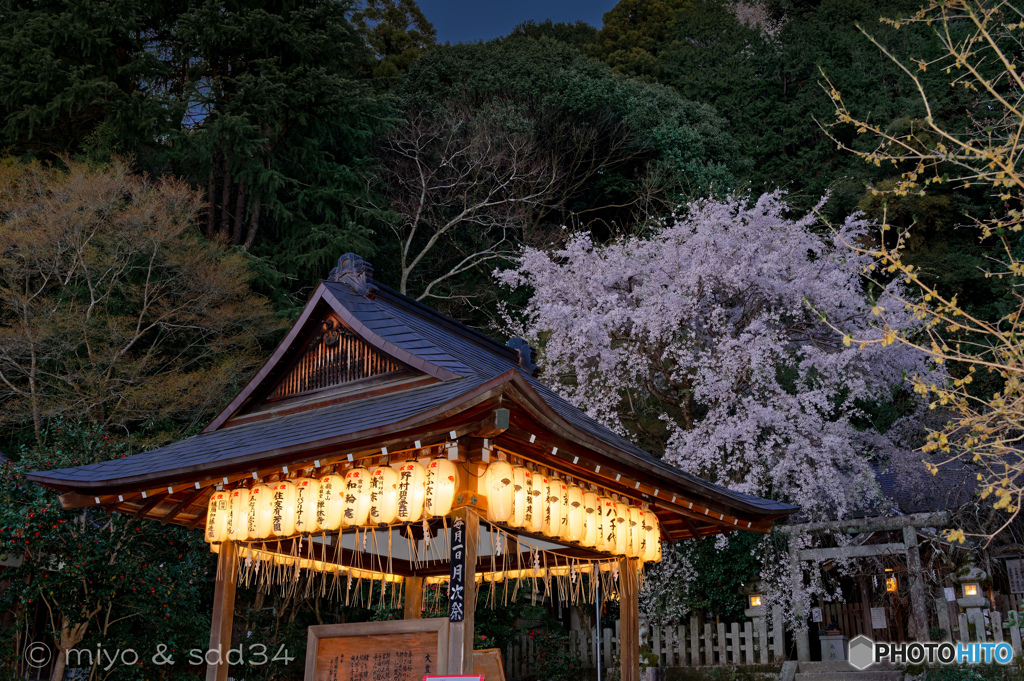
{"x": 679, "y": 646}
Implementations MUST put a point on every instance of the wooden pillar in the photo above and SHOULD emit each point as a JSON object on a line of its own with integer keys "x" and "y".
{"x": 460, "y": 634}
{"x": 223, "y": 612}
{"x": 629, "y": 616}
{"x": 865, "y": 606}
{"x": 803, "y": 643}
{"x": 413, "y": 598}
{"x": 918, "y": 605}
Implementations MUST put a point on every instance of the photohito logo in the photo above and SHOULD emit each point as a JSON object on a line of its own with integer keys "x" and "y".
{"x": 864, "y": 652}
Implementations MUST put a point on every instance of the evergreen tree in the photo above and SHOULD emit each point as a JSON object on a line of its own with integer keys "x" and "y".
{"x": 398, "y": 33}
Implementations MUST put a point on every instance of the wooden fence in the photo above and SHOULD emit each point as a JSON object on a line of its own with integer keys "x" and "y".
{"x": 680, "y": 646}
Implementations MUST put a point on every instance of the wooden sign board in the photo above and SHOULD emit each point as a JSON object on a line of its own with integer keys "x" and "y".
{"x": 488, "y": 663}
{"x": 402, "y": 650}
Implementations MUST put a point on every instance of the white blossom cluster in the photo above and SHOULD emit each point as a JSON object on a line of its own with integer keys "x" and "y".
{"x": 714, "y": 322}
{"x": 716, "y": 316}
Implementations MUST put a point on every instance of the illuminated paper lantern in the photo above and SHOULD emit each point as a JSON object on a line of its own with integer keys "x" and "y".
{"x": 520, "y": 487}
{"x": 284, "y": 509}
{"x": 535, "y": 505}
{"x": 621, "y": 528}
{"x": 563, "y": 531}
{"x": 636, "y": 532}
{"x": 592, "y": 519}
{"x": 557, "y": 490}
{"x": 606, "y": 535}
{"x": 441, "y": 485}
{"x": 355, "y": 498}
{"x": 306, "y": 492}
{"x": 575, "y": 514}
{"x": 261, "y": 511}
{"x": 652, "y": 537}
{"x": 330, "y": 499}
{"x": 499, "y": 490}
{"x": 238, "y": 514}
{"x": 383, "y": 495}
{"x": 412, "y": 482}
{"x": 217, "y": 512}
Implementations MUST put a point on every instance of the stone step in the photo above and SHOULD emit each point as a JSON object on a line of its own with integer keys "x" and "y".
{"x": 850, "y": 675}
{"x": 843, "y": 666}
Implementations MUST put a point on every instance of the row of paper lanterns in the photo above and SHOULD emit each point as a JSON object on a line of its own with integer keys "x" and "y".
{"x": 549, "y": 506}
{"x": 516, "y": 496}
{"x": 360, "y": 498}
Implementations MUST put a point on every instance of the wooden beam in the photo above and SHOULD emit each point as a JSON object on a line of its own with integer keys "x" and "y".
{"x": 494, "y": 425}
{"x": 629, "y": 617}
{"x": 413, "y": 598}
{"x": 180, "y": 506}
{"x": 858, "y": 525}
{"x": 864, "y": 551}
{"x": 223, "y": 613}
{"x": 150, "y": 504}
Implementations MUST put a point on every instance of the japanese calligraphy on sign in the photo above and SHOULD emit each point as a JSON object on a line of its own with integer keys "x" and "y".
{"x": 1015, "y": 570}
{"x": 377, "y": 651}
{"x": 457, "y": 583}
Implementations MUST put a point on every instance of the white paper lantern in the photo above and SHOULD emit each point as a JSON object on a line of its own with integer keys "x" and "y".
{"x": 520, "y": 484}
{"x": 636, "y": 532}
{"x": 592, "y": 519}
{"x": 441, "y": 485}
{"x": 652, "y": 537}
{"x": 306, "y": 492}
{"x": 606, "y": 536}
{"x": 238, "y": 514}
{"x": 563, "y": 531}
{"x": 217, "y": 512}
{"x": 355, "y": 502}
{"x": 621, "y": 528}
{"x": 498, "y": 486}
{"x": 412, "y": 483}
{"x": 261, "y": 511}
{"x": 330, "y": 499}
{"x": 383, "y": 495}
{"x": 535, "y": 503}
{"x": 284, "y": 509}
{"x": 576, "y": 514}
{"x": 557, "y": 491}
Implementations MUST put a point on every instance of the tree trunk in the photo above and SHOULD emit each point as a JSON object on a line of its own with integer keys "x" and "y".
{"x": 211, "y": 198}
{"x": 236, "y": 237}
{"x": 254, "y": 223}
{"x": 68, "y": 639}
{"x": 225, "y": 198}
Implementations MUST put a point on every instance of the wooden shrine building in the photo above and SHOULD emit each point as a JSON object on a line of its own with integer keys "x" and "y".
{"x": 368, "y": 381}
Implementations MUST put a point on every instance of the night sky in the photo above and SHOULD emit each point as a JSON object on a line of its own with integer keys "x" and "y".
{"x": 460, "y": 21}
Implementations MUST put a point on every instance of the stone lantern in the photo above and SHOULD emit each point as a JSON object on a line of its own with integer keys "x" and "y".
{"x": 973, "y": 600}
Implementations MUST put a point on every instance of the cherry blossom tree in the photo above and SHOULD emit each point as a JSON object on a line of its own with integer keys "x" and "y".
{"x": 705, "y": 337}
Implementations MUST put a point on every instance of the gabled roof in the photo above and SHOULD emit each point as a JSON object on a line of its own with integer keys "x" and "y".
{"x": 454, "y": 369}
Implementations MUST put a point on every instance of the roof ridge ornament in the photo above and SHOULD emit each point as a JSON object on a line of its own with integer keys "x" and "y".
{"x": 526, "y": 354}
{"x": 356, "y": 273}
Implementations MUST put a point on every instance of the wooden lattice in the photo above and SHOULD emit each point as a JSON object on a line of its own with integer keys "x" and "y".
{"x": 334, "y": 357}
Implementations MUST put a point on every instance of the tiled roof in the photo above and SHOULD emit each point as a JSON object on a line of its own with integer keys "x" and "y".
{"x": 463, "y": 357}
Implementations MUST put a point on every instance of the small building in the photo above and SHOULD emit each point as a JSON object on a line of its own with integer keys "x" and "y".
{"x": 370, "y": 380}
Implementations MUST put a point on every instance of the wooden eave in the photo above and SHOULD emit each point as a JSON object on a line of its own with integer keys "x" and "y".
{"x": 181, "y": 497}
{"x": 321, "y": 301}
